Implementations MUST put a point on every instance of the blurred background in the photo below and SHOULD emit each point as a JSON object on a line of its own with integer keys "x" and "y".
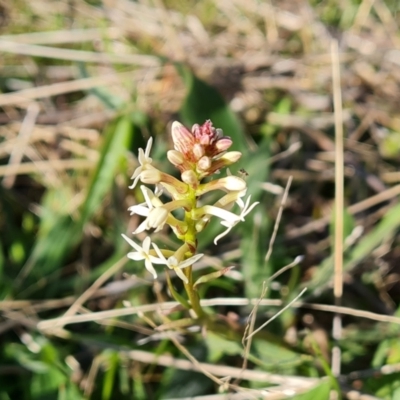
{"x": 84, "y": 84}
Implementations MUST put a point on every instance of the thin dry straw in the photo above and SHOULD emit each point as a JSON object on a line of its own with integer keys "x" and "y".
{"x": 97, "y": 316}
{"x": 77, "y": 55}
{"x": 24, "y": 134}
{"x": 339, "y": 205}
{"x": 278, "y": 219}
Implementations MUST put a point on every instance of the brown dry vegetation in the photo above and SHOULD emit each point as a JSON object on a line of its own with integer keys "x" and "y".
{"x": 76, "y": 74}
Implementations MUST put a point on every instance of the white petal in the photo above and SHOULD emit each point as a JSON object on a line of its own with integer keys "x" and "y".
{"x": 142, "y": 227}
{"x": 160, "y": 254}
{"x": 150, "y": 268}
{"x": 156, "y": 260}
{"x": 139, "y": 209}
{"x": 136, "y": 256}
{"x": 181, "y": 275}
{"x": 146, "y": 244}
{"x": 221, "y": 235}
{"x": 220, "y": 213}
{"x": 146, "y": 194}
{"x": 251, "y": 208}
{"x": 148, "y": 146}
{"x": 190, "y": 261}
{"x": 132, "y": 243}
{"x": 136, "y": 178}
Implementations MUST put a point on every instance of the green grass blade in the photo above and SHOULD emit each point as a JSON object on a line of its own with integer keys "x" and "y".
{"x": 204, "y": 102}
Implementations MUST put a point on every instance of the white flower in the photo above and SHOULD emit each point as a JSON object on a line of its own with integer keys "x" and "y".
{"x": 157, "y": 213}
{"x": 144, "y": 161}
{"x": 174, "y": 263}
{"x": 246, "y": 209}
{"x": 156, "y": 216}
{"x": 143, "y": 253}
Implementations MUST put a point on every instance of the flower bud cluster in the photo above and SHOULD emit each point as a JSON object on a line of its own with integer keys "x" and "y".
{"x": 197, "y": 154}
{"x": 201, "y": 151}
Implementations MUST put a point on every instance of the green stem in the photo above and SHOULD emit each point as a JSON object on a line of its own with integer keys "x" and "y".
{"x": 193, "y": 294}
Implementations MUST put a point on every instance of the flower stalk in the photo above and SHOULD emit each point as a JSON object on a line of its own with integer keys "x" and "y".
{"x": 197, "y": 154}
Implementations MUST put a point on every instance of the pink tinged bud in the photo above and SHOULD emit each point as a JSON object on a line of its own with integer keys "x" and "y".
{"x": 176, "y": 184}
{"x": 182, "y": 138}
{"x": 198, "y": 151}
{"x": 228, "y": 184}
{"x": 205, "y": 134}
{"x": 227, "y": 159}
{"x": 151, "y": 176}
{"x": 175, "y": 157}
{"x": 196, "y": 131}
{"x": 190, "y": 178}
{"x": 223, "y": 144}
{"x": 204, "y": 163}
{"x": 231, "y": 156}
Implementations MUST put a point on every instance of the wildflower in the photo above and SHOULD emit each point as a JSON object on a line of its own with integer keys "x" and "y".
{"x": 198, "y": 153}
{"x": 246, "y": 209}
{"x": 174, "y": 262}
{"x": 143, "y": 253}
{"x": 202, "y": 140}
{"x": 144, "y": 161}
{"x": 228, "y": 184}
{"x": 157, "y": 213}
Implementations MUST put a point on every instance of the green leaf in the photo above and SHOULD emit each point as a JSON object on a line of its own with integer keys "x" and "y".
{"x": 110, "y": 374}
{"x": 254, "y": 268}
{"x": 113, "y": 153}
{"x": 219, "y": 346}
{"x": 212, "y": 276}
{"x": 204, "y": 102}
{"x": 103, "y": 94}
{"x": 319, "y": 392}
{"x": 175, "y": 294}
{"x": 383, "y": 231}
{"x": 59, "y": 233}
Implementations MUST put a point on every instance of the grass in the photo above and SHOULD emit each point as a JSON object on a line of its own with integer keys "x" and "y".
{"x": 84, "y": 84}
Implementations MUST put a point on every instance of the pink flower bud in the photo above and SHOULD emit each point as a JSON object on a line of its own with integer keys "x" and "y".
{"x": 182, "y": 138}
{"x": 223, "y": 144}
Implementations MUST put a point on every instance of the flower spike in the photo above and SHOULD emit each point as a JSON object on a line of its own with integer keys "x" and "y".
{"x": 199, "y": 152}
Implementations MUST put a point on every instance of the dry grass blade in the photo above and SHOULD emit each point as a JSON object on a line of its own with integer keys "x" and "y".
{"x": 77, "y": 55}
{"x": 278, "y": 219}
{"x": 339, "y": 208}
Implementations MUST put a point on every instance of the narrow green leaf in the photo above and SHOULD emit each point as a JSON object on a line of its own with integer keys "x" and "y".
{"x": 59, "y": 233}
{"x": 116, "y": 144}
{"x": 219, "y": 346}
{"x": 384, "y": 230}
{"x": 321, "y": 391}
{"x": 212, "y": 276}
{"x": 253, "y": 243}
{"x": 175, "y": 294}
{"x": 102, "y": 93}
{"x": 349, "y": 224}
{"x": 110, "y": 374}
